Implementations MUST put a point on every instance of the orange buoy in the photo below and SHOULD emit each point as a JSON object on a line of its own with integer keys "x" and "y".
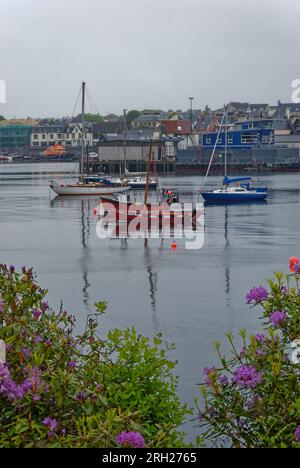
{"x": 293, "y": 262}
{"x": 174, "y": 246}
{"x": 96, "y": 211}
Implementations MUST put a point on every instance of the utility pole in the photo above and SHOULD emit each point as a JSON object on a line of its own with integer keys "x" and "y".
{"x": 191, "y": 100}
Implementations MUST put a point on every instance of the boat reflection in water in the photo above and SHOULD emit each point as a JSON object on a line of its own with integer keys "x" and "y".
{"x": 142, "y": 225}
{"x": 84, "y": 214}
{"x": 123, "y": 218}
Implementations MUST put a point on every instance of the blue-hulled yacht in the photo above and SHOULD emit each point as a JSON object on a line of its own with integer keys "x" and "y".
{"x": 242, "y": 191}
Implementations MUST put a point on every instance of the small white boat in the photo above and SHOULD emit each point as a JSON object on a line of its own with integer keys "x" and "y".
{"x": 137, "y": 182}
{"x": 86, "y": 189}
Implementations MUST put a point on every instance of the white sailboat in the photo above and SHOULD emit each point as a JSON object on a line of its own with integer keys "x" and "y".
{"x": 81, "y": 187}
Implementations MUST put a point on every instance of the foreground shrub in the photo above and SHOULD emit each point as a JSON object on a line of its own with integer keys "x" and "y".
{"x": 58, "y": 390}
{"x": 253, "y": 399}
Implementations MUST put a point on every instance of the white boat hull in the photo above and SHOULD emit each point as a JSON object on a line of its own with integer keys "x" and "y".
{"x": 85, "y": 190}
{"x": 137, "y": 183}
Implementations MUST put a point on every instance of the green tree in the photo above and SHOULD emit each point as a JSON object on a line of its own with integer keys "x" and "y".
{"x": 59, "y": 389}
{"x": 111, "y": 117}
{"x": 2, "y": 117}
{"x": 97, "y": 118}
{"x": 132, "y": 115}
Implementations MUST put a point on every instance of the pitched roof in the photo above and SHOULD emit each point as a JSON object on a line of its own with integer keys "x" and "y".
{"x": 109, "y": 127}
{"x": 283, "y": 108}
{"x": 149, "y": 118}
{"x": 239, "y": 105}
{"x": 258, "y": 106}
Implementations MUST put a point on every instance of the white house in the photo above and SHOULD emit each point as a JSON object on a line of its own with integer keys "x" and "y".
{"x": 68, "y": 135}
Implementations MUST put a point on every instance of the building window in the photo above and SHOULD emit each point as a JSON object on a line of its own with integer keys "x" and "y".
{"x": 35, "y": 136}
{"x": 230, "y": 139}
{"x": 208, "y": 140}
{"x": 51, "y": 136}
{"x": 246, "y": 138}
{"x": 44, "y": 136}
{"x": 219, "y": 140}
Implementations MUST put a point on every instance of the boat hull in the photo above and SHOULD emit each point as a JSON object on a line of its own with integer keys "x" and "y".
{"x": 139, "y": 185}
{"x": 135, "y": 185}
{"x": 151, "y": 214}
{"x": 211, "y": 197}
{"x": 86, "y": 190}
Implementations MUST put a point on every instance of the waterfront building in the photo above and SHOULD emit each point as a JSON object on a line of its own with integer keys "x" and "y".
{"x": 14, "y": 136}
{"x": 68, "y": 135}
{"x": 288, "y": 141}
{"x": 241, "y": 135}
{"x": 180, "y": 129}
{"x": 253, "y": 145}
{"x": 112, "y": 149}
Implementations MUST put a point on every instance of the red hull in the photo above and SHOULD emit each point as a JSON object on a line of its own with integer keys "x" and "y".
{"x": 150, "y": 214}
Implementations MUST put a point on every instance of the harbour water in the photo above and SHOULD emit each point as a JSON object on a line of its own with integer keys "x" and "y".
{"x": 192, "y": 296}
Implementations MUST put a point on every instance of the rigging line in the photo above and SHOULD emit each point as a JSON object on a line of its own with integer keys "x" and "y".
{"x": 89, "y": 100}
{"x": 76, "y": 103}
{"x": 213, "y": 153}
{"x": 92, "y": 100}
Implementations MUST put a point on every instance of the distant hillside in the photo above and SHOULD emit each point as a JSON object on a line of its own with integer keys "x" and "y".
{"x": 30, "y": 122}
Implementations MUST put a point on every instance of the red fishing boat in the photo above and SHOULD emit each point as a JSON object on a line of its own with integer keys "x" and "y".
{"x": 169, "y": 212}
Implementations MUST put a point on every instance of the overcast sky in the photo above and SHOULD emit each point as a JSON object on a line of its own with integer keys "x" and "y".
{"x": 146, "y": 53}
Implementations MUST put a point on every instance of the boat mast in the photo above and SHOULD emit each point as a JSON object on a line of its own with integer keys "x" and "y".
{"x": 148, "y": 174}
{"x": 226, "y": 147}
{"x": 82, "y": 131}
{"x": 213, "y": 152}
{"x": 125, "y": 143}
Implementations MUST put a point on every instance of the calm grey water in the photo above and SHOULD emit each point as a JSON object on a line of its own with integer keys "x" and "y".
{"x": 192, "y": 297}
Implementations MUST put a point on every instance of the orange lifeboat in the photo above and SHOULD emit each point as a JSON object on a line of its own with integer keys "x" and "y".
{"x": 56, "y": 150}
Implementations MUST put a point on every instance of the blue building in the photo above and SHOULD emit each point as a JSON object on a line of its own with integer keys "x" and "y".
{"x": 243, "y": 135}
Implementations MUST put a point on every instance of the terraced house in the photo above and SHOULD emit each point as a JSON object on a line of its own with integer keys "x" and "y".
{"x": 68, "y": 135}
